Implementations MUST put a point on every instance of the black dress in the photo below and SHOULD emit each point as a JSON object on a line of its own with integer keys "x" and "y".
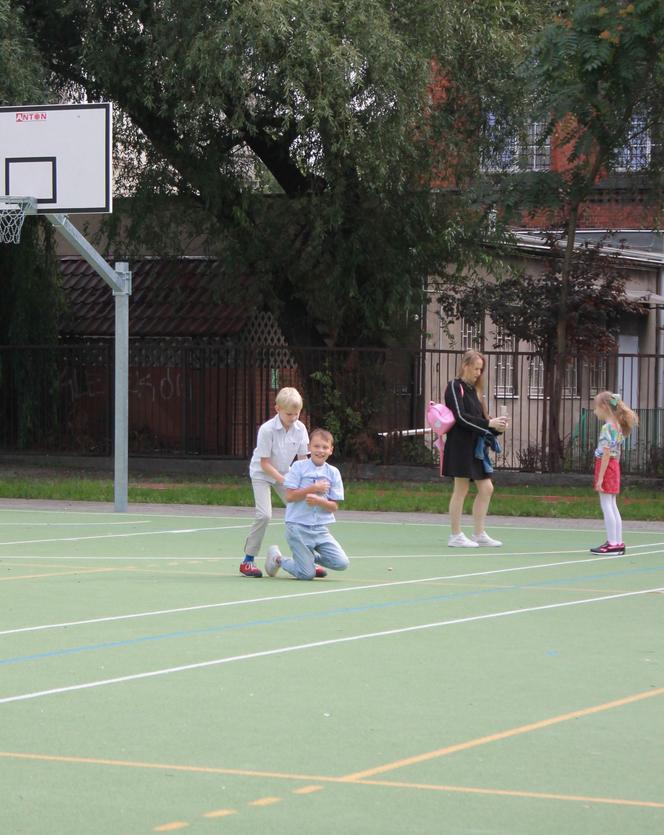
{"x": 459, "y": 457}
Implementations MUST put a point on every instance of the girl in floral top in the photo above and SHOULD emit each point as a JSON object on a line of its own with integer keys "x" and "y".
{"x": 618, "y": 421}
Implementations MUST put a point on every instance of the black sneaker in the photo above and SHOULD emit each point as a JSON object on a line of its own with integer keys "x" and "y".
{"x": 619, "y": 548}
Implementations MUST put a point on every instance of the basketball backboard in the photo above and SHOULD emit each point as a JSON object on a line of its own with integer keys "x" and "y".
{"x": 60, "y": 154}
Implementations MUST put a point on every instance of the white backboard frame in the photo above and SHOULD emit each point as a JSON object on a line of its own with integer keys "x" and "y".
{"x": 61, "y": 154}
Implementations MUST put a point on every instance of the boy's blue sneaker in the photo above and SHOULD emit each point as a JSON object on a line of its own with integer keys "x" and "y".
{"x": 249, "y": 569}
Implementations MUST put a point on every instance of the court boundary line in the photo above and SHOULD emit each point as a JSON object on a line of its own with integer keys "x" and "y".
{"x": 506, "y": 734}
{"x": 305, "y": 594}
{"x": 338, "y": 781}
{"x": 317, "y": 644}
{"x": 125, "y": 535}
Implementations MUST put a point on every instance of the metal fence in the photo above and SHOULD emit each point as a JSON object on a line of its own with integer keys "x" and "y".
{"x": 207, "y": 399}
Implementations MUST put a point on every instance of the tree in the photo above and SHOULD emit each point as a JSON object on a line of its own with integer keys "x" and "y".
{"x": 22, "y": 77}
{"x": 596, "y": 80}
{"x": 306, "y": 131}
{"x": 596, "y": 68}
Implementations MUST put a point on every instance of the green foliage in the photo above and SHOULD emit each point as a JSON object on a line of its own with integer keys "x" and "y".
{"x": 22, "y": 78}
{"x": 333, "y": 411}
{"x": 299, "y": 137}
{"x": 29, "y": 316}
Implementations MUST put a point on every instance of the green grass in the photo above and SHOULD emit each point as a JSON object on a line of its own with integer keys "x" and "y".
{"x": 427, "y": 497}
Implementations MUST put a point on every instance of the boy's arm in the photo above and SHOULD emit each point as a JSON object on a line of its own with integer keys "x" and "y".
{"x": 321, "y": 501}
{"x": 299, "y": 494}
{"x": 271, "y": 470}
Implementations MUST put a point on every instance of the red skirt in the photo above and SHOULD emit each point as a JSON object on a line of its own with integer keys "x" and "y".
{"x": 611, "y": 480}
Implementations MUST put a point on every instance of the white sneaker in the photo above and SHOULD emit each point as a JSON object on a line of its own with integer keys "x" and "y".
{"x": 485, "y": 539}
{"x": 273, "y": 560}
{"x": 460, "y": 540}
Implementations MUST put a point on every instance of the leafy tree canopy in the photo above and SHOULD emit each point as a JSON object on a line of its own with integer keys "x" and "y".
{"x": 306, "y": 130}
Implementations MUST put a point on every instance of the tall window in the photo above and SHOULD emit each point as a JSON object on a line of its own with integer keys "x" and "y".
{"x": 505, "y": 384}
{"x": 527, "y": 151}
{"x": 635, "y": 154}
{"x": 472, "y": 336}
{"x": 598, "y": 375}
{"x": 536, "y": 378}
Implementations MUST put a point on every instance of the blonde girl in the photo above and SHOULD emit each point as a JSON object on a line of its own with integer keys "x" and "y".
{"x": 618, "y": 420}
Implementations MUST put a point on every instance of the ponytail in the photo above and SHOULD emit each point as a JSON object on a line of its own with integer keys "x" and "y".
{"x": 625, "y": 417}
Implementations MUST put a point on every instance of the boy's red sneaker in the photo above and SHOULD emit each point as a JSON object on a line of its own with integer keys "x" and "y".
{"x": 248, "y": 569}
{"x": 320, "y": 571}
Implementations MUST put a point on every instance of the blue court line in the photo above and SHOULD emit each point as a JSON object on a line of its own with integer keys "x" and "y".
{"x": 346, "y": 610}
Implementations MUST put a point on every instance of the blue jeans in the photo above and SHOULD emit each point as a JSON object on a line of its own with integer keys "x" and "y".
{"x": 311, "y": 545}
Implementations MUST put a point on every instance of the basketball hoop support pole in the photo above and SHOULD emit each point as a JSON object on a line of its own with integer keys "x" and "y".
{"x": 119, "y": 280}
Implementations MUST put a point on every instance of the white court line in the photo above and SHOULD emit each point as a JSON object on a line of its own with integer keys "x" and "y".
{"x": 71, "y": 524}
{"x": 122, "y": 535}
{"x": 219, "y": 557}
{"x": 317, "y": 644}
{"x": 319, "y": 593}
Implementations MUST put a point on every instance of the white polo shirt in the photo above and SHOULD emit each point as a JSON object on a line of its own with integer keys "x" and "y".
{"x": 280, "y": 446}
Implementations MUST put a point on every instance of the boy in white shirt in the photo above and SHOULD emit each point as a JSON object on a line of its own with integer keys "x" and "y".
{"x": 313, "y": 490}
{"x": 280, "y": 440}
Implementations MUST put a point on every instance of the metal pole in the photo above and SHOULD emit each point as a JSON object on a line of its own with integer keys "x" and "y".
{"x": 122, "y": 389}
{"x": 119, "y": 280}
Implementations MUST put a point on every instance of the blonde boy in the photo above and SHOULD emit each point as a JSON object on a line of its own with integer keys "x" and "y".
{"x": 280, "y": 440}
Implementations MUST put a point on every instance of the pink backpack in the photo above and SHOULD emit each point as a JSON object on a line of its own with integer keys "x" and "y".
{"x": 441, "y": 419}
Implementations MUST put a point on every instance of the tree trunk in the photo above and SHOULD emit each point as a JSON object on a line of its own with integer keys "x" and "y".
{"x": 559, "y": 364}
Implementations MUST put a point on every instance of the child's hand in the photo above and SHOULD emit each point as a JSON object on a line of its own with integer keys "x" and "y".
{"x": 598, "y": 486}
{"x": 320, "y": 486}
{"x": 313, "y": 499}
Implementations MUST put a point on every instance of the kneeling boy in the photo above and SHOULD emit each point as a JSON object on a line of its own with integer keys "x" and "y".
{"x": 313, "y": 488}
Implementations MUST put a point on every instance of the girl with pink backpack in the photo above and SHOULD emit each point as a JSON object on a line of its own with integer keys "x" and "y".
{"x": 465, "y": 457}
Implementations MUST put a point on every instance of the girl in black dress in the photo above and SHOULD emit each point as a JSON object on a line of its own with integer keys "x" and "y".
{"x": 463, "y": 397}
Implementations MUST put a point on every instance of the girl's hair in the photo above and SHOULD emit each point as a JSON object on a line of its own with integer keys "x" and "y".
{"x": 289, "y": 397}
{"x": 327, "y": 436}
{"x": 614, "y": 405}
{"x": 467, "y": 359}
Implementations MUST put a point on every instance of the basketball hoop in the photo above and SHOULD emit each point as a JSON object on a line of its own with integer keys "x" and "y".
{"x": 12, "y": 214}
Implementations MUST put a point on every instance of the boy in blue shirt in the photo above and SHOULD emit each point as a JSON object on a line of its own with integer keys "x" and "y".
{"x": 313, "y": 489}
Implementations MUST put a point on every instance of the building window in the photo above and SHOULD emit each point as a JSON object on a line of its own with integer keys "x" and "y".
{"x": 472, "y": 336}
{"x": 528, "y": 151}
{"x": 505, "y": 382}
{"x": 571, "y": 381}
{"x": 635, "y": 154}
{"x": 536, "y": 378}
{"x": 598, "y": 375}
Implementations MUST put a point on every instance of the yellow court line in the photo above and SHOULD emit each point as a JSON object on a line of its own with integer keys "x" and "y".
{"x": 57, "y": 574}
{"x": 196, "y": 769}
{"x": 308, "y": 778}
{"x": 614, "y": 801}
{"x": 484, "y": 740}
{"x": 220, "y": 813}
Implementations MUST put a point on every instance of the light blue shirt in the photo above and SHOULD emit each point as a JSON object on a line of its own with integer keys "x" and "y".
{"x": 300, "y": 475}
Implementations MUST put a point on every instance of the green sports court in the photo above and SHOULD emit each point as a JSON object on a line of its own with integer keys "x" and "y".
{"x": 148, "y": 687}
